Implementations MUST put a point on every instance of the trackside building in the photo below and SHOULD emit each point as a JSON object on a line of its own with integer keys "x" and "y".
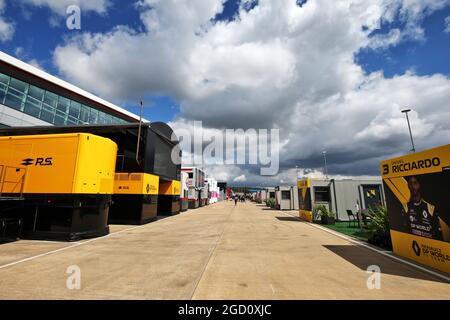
{"x": 32, "y": 97}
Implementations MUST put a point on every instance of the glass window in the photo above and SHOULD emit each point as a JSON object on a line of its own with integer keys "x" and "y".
{"x": 285, "y": 195}
{"x": 33, "y": 102}
{"x": 60, "y": 118}
{"x": 321, "y": 194}
{"x": 48, "y": 106}
{"x": 93, "y": 116}
{"x": 108, "y": 118}
{"x": 18, "y": 85}
{"x": 72, "y": 120}
{"x": 4, "y": 79}
{"x": 15, "y": 96}
{"x": 2, "y": 92}
{"x": 47, "y": 113}
{"x": 101, "y": 117}
{"x": 32, "y": 107}
{"x": 36, "y": 93}
{"x": 63, "y": 104}
{"x": 51, "y": 99}
{"x": 74, "y": 110}
{"x": 84, "y": 114}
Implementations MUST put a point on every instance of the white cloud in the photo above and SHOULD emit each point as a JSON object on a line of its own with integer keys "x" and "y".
{"x": 275, "y": 66}
{"x": 412, "y": 13}
{"x": 35, "y": 63}
{"x": 59, "y": 7}
{"x": 6, "y": 27}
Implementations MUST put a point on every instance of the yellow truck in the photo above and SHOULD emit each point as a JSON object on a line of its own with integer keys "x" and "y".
{"x": 57, "y": 185}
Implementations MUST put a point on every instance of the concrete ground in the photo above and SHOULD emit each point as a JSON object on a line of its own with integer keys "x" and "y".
{"x": 217, "y": 252}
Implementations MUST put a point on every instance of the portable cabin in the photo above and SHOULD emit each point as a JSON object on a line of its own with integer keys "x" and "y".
{"x": 286, "y": 198}
{"x": 196, "y": 183}
{"x": 222, "y": 186}
{"x": 213, "y": 190}
{"x": 204, "y": 194}
{"x": 339, "y": 196}
{"x": 184, "y": 195}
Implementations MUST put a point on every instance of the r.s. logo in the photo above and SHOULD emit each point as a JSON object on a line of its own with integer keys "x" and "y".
{"x": 38, "y": 161}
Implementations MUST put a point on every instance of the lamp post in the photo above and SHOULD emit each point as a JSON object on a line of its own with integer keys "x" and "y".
{"x": 325, "y": 161}
{"x": 405, "y": 111}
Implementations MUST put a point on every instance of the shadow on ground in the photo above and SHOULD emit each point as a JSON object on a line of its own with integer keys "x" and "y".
{"x": 6, "y": 241}
{"x": 356, "y": 256}
{"x": 289, "y": 219}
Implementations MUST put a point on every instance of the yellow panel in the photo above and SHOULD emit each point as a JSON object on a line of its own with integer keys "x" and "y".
{"x": 429, "y": 161}
{"x": 136, "y": 183}
{"x": 423, "y": 250}
{"x": 306, "y": 215}
{"x": 170, "y": 188}
{"x": 50, "y": 163}
{"x": 303, "y": 186}
{"x": 304, "y": 183}
{"x": 96, "y": 165}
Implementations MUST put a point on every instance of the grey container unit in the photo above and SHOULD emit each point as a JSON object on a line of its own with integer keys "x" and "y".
{"x": 286, "y": 198}
{"x": 342, "y": 195}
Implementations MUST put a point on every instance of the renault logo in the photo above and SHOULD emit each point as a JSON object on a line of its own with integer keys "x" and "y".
{"x": 416, "y": 248}
{"x": 27, "y": 161}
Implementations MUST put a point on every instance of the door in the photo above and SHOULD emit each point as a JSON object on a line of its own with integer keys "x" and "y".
{"x": 371, "y": 196}
{"x": 14, "y": 172}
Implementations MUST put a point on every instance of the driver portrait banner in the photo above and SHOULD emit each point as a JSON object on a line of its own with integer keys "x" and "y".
{"x": 417, "y": 188}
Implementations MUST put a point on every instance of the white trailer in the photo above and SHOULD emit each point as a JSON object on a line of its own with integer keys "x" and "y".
{"x": 196, "y": 186}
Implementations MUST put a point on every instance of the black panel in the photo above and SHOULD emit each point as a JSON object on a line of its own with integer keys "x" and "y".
{"x": 69, "y": 217}
{"x": 168, "y": 204}
{"x": 184, "y": 204}
{"x": 133, "y": 209}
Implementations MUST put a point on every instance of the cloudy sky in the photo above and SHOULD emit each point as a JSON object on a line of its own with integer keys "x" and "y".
{"x": 331, "y": 75}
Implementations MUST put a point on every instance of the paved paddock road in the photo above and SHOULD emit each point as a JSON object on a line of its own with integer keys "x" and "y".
{"x": 217, "y": 252}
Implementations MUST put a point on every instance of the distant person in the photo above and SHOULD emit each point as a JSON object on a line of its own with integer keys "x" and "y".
{"x": 422, "y": 216}
{"x": 235, "y": 199}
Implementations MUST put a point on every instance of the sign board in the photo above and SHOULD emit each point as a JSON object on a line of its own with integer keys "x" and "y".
{"x": 304, "y": 199}
{"x": 417, "y": 188}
